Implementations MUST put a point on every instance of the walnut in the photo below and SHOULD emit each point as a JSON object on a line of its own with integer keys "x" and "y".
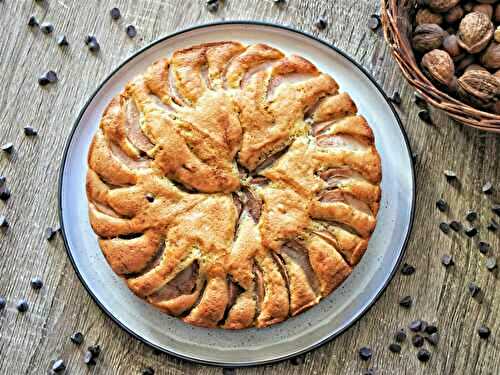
{"x": 441, "y": 6}
{"x": 455, "y": 14}
{"x": 479, "y": 88}
{"x": 450, "y": 45}
{"x": 491, "y": 56}
{"x": 475, "y": 32}
{"x": 427, "y": 37}
{"x": 439, "y": 67}
{"x": 484, "y": 8}
{"x": 425, "y": 15}
{"x": 475, "y": 67}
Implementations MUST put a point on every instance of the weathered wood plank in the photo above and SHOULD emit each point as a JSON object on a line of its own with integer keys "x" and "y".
{"x": 29, "y": 342}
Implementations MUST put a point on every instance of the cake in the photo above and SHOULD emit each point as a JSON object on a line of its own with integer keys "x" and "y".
{"x": 232, "y": 185}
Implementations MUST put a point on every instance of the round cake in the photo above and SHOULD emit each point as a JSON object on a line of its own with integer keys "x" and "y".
{"x": 233, "y": 186}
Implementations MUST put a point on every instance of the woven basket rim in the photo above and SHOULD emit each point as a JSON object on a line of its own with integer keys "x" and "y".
{"x": 456, "y": 109}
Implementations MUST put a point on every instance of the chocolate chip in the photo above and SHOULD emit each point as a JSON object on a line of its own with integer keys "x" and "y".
{"x": 92, "y": 43}
{"x": 445, "y": 228}
{"x": 484, "y": 247}
{"x": 47, "y": 28}
{"x": 131, "y": 31}
{"x": 62, "y": 41}
{"x": 406, "y": 302}
{"x": 423, "y": 355}
{"x": 483, "y": 332}
{"x": 150, "y": 197}
{"x": 22, "y": 305}
{"x": 212, "y": 6}
{"x": 29, "y": 131}
{"x": 455, "y": 225}
{"x": 36, "y": 283}
{"x": 58, "y": 366}
{"x": 415, "y": 326}
{"x": 51, "y": 76}
{"x": 7, "y": 147}
{"x": 470, "y": 231}
{"x": 4, "y": 224}
{"x": 430, "y": 329}
{"x": 493, "y": 226}
{"x": 3, "y": 179}
{"x": 88, "y": 358}
{"x": 474, "y": 289}
{"x": 32, "y": 21}
{"x": 321, "y": 23}
{"x": 3, "y": 303}
{"x": 471, "y": 216}
{"x": 414, "y": 157}
{"x": 400, "y": 335}
{"x": 4, "y": 193}
{"x": 491, "y": 263}
{"x": 424, "y": 325}
{"x": 496, "y": 209}
{"x": 297, "y": 361}
{"x": 115, "y": 13}
{"x": 407, "y": 269}
{"x": 374, "y": 22}
{"x": 149, "y": 371}
{"x": 95, "y": 350}
{"x": 365, "y": 353}
{"x": 396, "y": 98}
{"x": 488, "y": 188}
{"x": 43, "y": 80}
{"x": 442, "y": 205}
{"x": 417, "y": 341}
{"x": 450, "y": 175}
{"x": 279, "y": 2}
{"x": 425, "y": 116}
{"x": 77, "y": 338}
{"x": 50, "y": 233}
{"x": 419, "y": 100}
{"x": 433, "y": 339}
{"x": 395, "y": 348}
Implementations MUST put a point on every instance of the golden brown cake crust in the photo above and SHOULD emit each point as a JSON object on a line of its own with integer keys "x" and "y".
{"x": 233, "y": 186}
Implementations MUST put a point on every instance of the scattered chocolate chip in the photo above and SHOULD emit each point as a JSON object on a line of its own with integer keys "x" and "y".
{"x": 471, "y": 216}
{"x": 47, "y": 28}
{"x": 29, "y": 131}
{"x": 4, "y": 193}
{"x": 400, "y": 335}
{"x": 496, "y": 209}
{"x": 414, "y": 157}
{"x": 419, "y": 100}
{"x": 148, "y": 371}
{"x": 415, "y": 326}
{"x": 3, "y": 179}
{"x": 430, "y": 329}
{"x": 92, "y": 43}
{"x": 43, "y": 80}
{"x": 374, "y": 22}
{"x": 297, "y": 361}
{"x": 4, "y": 224}
{"x": 212, "y": 6}
{"x": 425, "y": 116}
{"x": 417, "y": 341}
{"x": 423, "y": 355}
{"x": 491, "y": 263}
{"x": 455, "y": 225}
{"x": 433, "y": 339}
{"x": 406, "y": 302}
{"x": 488, "y": 188}
{"x": 115, "y": 13}
{"x": 95, "y": 350}
{"x": 474, "y": 289}
{"x": 445, "y": 228}
{"x": 58, "y": 366}
{"x": 470, "y": 231}
{"x": 396, "y": 98}
{"x": 493, "y": 226}
{"x": 483, "y": 332}
{"x": 32, "y": 21}
{"x": 407, "y": 269}
{"x": 22, "y": 305}
{"x": 131, "y": 31}
{"x": 365, "y": 353}
{"x": 424, "y": 325}
{"x": 62, "y": 41}
{"x": 77, "y": 338}
{"x": 321, "y": 23}
{"x": 442, "y": 205}
{"x": 88, "y": 358}
{"x": 7, "y": 148}
{"x": 279, "y": 2}
{"x": 150, "y": 197}
{"x": 484, "y": 247}
{"x": 450, "y": 175}
{"x": 3, "y": 303}
{"x": 50, "y": 233}
{"x": 51, "y": 76}
{"x": 36, "y": 283}
{"x": 395, "y": 348}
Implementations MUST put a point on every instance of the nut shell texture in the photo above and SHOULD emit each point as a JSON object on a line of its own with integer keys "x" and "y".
{"x": 475, "y": 32}
{"x": 233, "y": 186}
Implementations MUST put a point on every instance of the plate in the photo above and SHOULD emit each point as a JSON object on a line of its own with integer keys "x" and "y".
{"x": 331, "y": 316}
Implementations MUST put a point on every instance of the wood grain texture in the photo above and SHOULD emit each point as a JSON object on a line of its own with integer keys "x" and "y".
{"x": 30, "y": 342}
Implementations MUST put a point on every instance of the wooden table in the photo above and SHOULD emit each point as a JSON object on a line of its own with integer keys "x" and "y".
{"x": 30, "y": 342}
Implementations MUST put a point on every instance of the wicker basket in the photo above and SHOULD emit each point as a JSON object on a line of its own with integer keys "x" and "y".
{"x": 397, "y": 25}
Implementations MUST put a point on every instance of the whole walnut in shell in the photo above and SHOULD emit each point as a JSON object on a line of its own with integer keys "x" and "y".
{"x": 425, "y": 15}
{"x": 439, "y": 67}
{"x": 479, "y": 88}
{"x": 441, "y": 6}
{"x": 455, "y": 14}
{"x": 475, "y": 32}
{"x": 427, "y": 37}
{"x": 491, "y": 56}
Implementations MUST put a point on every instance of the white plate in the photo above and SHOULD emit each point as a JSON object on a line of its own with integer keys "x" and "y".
{"x": 299, "y": 334}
